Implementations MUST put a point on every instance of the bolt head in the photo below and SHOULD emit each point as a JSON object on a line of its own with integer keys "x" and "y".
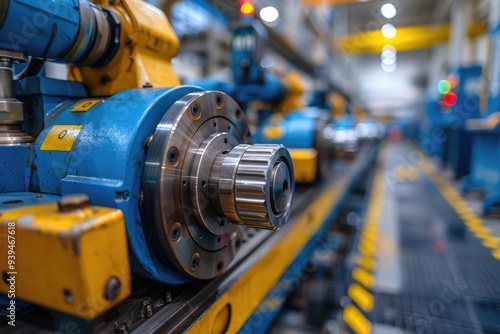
{"x": 74, "y": 202}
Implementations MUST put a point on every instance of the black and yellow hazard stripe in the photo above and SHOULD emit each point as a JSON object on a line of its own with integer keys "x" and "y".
{"x": 356, "y": 314}
{"x": 472, "y": 221}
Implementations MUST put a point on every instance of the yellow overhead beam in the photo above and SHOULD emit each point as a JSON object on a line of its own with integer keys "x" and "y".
{"x": 406, "y": 39}
{"x": 332, "y": 2}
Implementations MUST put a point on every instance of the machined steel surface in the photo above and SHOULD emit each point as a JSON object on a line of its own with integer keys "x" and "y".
{"x": 204, "y": 183}
{"x": 190, "y": 305}
{"x": 11, "y": 109}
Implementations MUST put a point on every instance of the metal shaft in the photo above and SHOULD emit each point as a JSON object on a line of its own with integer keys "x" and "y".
{"x": 6, "y": 78}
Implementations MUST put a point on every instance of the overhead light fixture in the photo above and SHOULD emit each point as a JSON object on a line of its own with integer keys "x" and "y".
{"x": 389, "y": 68}
{"x": 388, "y": 10}
{"x": 388, "y": 31}
{"x": 269, "y": 14}
{"x": 389, "y": 61}
{"x": 388, "y": 52}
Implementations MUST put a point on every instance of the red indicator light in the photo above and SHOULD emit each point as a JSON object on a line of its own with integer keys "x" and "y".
{"x": 450, "y": 99}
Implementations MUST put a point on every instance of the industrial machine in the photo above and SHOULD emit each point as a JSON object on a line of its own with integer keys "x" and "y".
{"x": 484, "y": 128}
{"x": 285, "y": 117}
{"x": 460, "y": 103}
{"x": 119, "y": 171}
{"x": 431, "y": 136}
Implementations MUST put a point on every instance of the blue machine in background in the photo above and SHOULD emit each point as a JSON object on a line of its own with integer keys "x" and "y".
{"x": 485, "y": 132}
{"x": 442, "y": 131}
{"x": 301, "y": 130}
{"x": 459, "y": 140}
{"x": 431, "y": 134}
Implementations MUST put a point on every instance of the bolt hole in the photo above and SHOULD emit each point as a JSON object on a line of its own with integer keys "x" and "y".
{"x": 175, "y": 233}
{"x": 203, "y": 184}
{"x": 229, "y": 127}
{"x": 238, "y": 114}
{"x": 221, "y": 222}
{"x": 184, "y": 183}
{"x": 225, "y": 152}
{"x": 68, "y": 296}
{"x": 173, "y": 155}
{"x": 218, "y": 99}
{"x": 215, "y": 124}
{"x": 220, "y": 265}
{"x": 195, "y": 261}
{"x": 200, "y": 236}
{"x": 238, "y": 244}
{"x": 225, "y": 140}
{"x": 195, "y": 110}
{"x": 218, "y": 239}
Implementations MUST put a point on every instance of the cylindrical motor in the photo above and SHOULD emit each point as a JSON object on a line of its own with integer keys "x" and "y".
{"x": 178, "y": 163}
{"x": 74, "y": 32}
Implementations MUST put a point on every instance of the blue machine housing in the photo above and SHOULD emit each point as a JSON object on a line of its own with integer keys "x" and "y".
{"x": 459, "y": 141}
{"x": 298, "y": 128}
{"x": 431, "y": 134}
{"x": 485, "y": 158}
{"x": 114, "y": 132}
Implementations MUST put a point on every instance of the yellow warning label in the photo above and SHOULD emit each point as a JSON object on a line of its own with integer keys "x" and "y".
{"x": 61, "y": 138}
{"x": 84, "y": 105}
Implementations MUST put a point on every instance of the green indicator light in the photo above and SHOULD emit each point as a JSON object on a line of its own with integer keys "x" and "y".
{"x": 444, "y": 86}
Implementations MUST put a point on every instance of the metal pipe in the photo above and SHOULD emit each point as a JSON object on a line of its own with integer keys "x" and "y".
{"x": 67, "y": 31}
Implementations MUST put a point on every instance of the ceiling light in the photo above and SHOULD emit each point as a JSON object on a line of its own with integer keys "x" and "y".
{"x": 269, "y": 14}
{"x": 388, "y": 10}
{"x": 388, "y": 31}
{"x": 389, "y": 61}
{"x": 389, "y": 68}
{"x": 388, "y": 52}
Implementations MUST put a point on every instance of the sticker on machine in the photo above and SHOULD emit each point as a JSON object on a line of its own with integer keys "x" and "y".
{"x": 85, "y": 105}
{"x": 61, "y": 138}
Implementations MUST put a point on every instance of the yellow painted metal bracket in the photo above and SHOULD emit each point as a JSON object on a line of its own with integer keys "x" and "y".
{"x": 147, "y": 45}
{"x": 305, "y": 164}
{"x": 74, "y": 261}
{"x": 406, "y": 39}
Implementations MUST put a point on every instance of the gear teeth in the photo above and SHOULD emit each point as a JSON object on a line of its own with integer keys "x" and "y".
{"x": 252, "y": 183}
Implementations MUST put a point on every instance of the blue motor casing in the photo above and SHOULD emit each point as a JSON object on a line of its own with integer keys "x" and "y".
{"x": 298, "y": 129}
{"x": 40, "y": 28}
{"x": 105, "y": 162}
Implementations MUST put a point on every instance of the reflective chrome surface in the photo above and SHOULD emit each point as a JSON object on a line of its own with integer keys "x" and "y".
{"x": 11, "y": 109}
{"x": 203, "y": 183}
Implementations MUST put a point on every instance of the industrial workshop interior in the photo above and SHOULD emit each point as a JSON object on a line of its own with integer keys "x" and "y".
{"x": 250, "y": 166}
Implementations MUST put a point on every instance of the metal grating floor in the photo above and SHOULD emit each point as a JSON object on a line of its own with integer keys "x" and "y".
{"x": 450, "y": 281}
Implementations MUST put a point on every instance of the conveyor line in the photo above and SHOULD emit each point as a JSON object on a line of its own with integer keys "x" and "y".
{"x": 449, "y": 262}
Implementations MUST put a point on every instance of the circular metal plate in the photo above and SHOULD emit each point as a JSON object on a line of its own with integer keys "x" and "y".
{"x": 191, "y": 234}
